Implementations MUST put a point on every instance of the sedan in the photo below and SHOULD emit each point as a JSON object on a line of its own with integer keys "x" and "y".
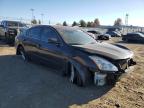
{"x": 114, "y": 33}
{"x": 134, "y": 37}
{"x": 74, "y": 53}
{"x": 100, "y": 36}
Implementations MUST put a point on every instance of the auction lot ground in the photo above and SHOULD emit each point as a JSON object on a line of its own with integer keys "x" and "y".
{"x": 31, "y": 85}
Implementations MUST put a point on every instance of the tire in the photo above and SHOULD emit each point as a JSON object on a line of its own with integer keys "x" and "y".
{"x": 74, "y": 76}
{"x": 125, "y": 39}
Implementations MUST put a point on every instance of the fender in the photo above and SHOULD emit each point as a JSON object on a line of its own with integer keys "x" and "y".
{"x": 82, "y": 71}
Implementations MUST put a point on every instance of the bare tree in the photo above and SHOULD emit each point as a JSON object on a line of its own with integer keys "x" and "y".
{"x": 118, "y": 22}
{"x": 96, "y": 22}
{"x": 90, "y": 24}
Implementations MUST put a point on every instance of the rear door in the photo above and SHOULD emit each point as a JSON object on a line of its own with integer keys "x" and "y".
{"x": 32, "y": 41}
{"x": 134, "y": 37}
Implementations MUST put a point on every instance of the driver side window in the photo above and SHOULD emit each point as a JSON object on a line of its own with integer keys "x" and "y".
{"x": 48, "y": 33}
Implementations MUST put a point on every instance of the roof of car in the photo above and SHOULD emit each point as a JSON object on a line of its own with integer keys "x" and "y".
{"x": 136, "y": 33}
{"x": 11, "y": 21}
{"x": 65, "y": 27}
{"x": 58, "y": 27}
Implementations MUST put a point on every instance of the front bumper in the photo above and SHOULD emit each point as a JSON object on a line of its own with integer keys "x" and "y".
{"x": 109, "y": 77}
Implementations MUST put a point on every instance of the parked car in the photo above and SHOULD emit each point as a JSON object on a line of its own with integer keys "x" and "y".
{"x": 74, "y": 53}
{"x": 142, "y": 32}
{"x": 92, "y": 35}
{"x": 9, "y": 29}
{"x": 133, "y": 37}
{"x": 99, "y": 35}
{"x": 114, "y": 33}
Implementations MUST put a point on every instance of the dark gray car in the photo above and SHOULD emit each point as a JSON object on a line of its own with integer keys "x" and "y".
{"x": 134, "y": 37}
{"x": 74, "y": 53}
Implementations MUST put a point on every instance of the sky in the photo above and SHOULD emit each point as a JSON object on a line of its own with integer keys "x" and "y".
{"x": 57, "y": 11}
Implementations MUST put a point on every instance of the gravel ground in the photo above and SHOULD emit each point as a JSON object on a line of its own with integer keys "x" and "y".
{"x": 31, "y": 85}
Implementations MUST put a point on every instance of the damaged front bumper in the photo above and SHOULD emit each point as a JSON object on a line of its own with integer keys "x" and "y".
{"x": 108, "y": 77}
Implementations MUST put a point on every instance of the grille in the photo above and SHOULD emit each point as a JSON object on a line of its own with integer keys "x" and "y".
{"x": 122, "y": 64}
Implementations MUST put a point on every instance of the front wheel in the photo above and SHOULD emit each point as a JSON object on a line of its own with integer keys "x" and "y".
{"x": 74, "y": 76}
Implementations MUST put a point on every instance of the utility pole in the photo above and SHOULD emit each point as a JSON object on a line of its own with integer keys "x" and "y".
{"x": 32, "y": 10}
{"x": 126, "y": 19}
{"x": 42, "y": 15}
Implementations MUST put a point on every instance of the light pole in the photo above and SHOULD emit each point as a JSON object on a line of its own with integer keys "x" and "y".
{"x": 126, "y": 19}
{"x": 32, "y": 10}
{"x": 42, "y": 18}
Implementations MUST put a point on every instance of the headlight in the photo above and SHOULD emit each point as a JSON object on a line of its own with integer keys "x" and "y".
{"x": 104, "y": 64}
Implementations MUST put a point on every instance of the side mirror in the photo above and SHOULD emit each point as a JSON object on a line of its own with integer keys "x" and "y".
{"x": 53, "y": 41}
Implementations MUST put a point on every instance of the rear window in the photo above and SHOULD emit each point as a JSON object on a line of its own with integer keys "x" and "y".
{"x": 23, "y": 32}
{"x": 11, "y": 23}
{"x": 35, "y": 32}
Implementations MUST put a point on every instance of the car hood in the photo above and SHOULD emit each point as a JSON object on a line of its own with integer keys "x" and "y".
{"x": 107, "y": 50}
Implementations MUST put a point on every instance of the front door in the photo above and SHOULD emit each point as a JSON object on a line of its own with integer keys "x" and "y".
{"x": 52, "y": 53}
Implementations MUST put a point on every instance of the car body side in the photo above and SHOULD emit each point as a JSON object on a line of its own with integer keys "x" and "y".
{"x": 57, "y": 56}
{"x": 134, "y": 37}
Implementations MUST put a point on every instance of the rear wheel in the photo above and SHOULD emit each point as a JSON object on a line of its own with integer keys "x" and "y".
{"x": 74, "y": 76}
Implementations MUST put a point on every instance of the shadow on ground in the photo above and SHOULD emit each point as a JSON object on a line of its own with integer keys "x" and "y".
{"x": 29, "y": 85}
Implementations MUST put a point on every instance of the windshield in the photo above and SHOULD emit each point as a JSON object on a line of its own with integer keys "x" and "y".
{"x": 76, "y": 37}
{"x": 13, "y": 24}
